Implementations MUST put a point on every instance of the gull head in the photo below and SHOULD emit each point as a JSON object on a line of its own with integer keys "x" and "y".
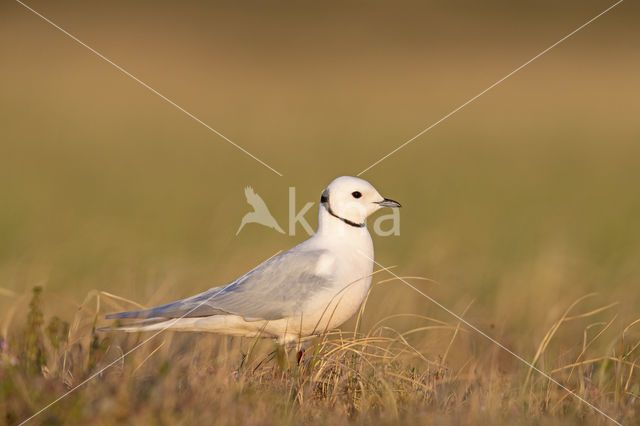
{"x": 352, "y": 199}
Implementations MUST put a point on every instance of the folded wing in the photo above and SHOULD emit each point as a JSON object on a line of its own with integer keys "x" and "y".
{"x": 276, "y": 289}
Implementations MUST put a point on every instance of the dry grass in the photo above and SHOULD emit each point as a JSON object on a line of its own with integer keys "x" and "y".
{"x": 379, "y": 375}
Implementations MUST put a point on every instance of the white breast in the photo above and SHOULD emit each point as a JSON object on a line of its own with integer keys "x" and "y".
{"x": 349, "y": 269}
{"x": 326, "y": 266}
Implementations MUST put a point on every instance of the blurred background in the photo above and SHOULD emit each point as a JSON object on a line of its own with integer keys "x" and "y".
{"x": 521, "y": 202}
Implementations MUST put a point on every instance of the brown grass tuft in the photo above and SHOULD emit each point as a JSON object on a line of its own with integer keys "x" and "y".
{"x": 380, "y": 375}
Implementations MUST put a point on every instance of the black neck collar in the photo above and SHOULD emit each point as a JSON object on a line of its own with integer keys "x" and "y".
{"x": 324, "y": 199}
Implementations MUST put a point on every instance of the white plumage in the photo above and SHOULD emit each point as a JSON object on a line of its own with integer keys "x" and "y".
{"x": 314, "y": 287}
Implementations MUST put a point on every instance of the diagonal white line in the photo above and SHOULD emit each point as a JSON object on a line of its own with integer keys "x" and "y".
{"x": 494, "y": 341}
{"x": 145, "y": 85}
{"x": 490, "y": 87}
{"x": 121, "y": 357}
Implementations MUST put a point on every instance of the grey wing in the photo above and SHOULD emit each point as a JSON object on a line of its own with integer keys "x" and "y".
{"x": 276, "y": 289}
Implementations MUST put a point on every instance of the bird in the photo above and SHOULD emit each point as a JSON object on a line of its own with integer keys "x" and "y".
{"x": 260, "y": 213}
{"x": 314, "y": 287}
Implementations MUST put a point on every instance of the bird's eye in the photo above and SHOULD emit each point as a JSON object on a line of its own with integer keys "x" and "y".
{"x": 356, "y": 194}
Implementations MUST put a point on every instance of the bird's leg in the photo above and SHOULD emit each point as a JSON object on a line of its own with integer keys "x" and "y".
{"x": 301, "y": 348}
{"x": 280, "y": 355}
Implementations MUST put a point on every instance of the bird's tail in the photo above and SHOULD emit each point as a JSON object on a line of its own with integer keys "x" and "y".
{"x": 160, "y": 323}
{"x": 150, "y": 324}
